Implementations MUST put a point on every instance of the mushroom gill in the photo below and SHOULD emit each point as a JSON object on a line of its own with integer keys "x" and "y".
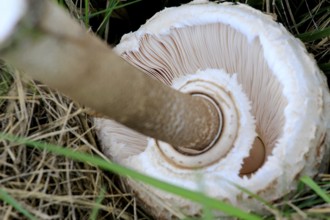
{"x": 218, "y": 46}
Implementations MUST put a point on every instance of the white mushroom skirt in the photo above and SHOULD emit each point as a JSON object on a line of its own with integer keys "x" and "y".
{"x": 266, "y": 85}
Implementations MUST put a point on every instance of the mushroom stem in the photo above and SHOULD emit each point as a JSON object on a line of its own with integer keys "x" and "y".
{"x": 52, "y": 48}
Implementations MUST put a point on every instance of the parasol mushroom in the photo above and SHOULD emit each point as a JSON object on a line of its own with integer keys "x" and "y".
{"x": 232, "y": 54}
{"x": 261, "y": 97}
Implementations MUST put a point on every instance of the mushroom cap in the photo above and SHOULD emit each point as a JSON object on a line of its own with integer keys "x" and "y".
{"x": 284, "y": 100}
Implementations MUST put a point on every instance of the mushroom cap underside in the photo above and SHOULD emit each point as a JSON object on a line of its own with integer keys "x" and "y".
{"x": 288, "y": 95}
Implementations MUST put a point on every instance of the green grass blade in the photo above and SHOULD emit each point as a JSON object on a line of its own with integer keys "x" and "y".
{"x": 100, "y": 12}
{"x": 121, "y": 170}
{"x": 11, "y": 201}
{"x": 207, "y": 213}
{"x": 309, "y": 182}
{"x": 106, "y": 19}
{"x": 95, "y": 210}
{"x": 256, "y": 197}
{"x": 314, "y": 35}
{"x": 121, "y": 5}
{"x": 86, "y": 16}
{"x": 308, "y": 16}
{"x": 60, "y": 2}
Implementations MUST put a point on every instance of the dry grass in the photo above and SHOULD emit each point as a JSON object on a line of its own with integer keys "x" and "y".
{"x": 54, "y": 187}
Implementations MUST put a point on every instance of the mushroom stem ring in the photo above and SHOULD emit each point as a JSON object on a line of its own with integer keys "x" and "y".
{"x": 217, "y": 87}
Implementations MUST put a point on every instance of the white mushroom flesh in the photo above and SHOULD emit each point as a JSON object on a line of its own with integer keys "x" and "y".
{"x": 288, "y": 95}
